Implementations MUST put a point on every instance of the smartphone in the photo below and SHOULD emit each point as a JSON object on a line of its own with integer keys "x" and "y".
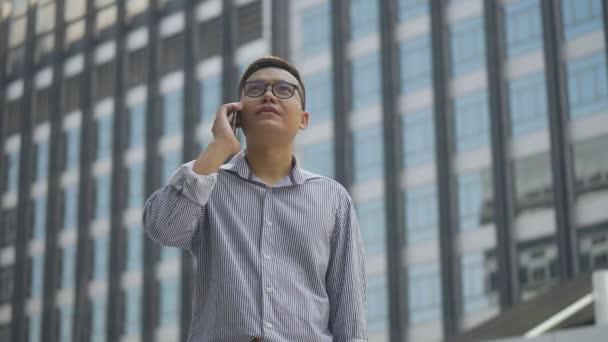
{"x": 234, "y": 121}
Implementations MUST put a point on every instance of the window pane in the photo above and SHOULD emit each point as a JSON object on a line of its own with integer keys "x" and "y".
{"x": 587, "y": 85}
{"x": 173, "y": 113}
{"x": 533, "y": 183}
{"x": 591, "y": 164}
{"x": 366, "y": 81}
{"x": 70, "y": 207}
{"x": 133, "y": 314}
{"x": 363, "y": 17}
{"x": 98, "y": 325}
{"x": 39, "y": 222}
{"x": 421, "y": 213}
{"x": 368, "y": 156}
{"x": 101, "y": 245}
{"x": 471, "y": 124}
{"x": 316, "y": 29}
{"x": 136, "y": 186}
{"x": 523, "y": 27}
{"x": 475, "y": 199}
{"x": 318, "y": 157}
{"x": 105, "y": 129}
{"x": 424, "y": 292}
{"x": 581, "y": 16}
{"x": 528, "y": 104}
{"x": 74, "y": 9}
{"x": 467, "y": 46}
{"x": 103, "y": 190}
{"x": 478, "y": 289}
{"x": 169, "y": 302}
{"x": 137, "y": 125}
{"x": 419, "y": 138}
{"x": 415, "y": 64}
{"x": 412, "y": 8}
{"x": 377, "y": 301}
{"x": 134, "y": 248}
{"x": 319, "y": 97}
{"x": 68, "y": 267}
{"x": 372, "y": 221}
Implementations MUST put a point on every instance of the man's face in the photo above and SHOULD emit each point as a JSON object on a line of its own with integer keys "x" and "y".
{"x": 268, "y": 119}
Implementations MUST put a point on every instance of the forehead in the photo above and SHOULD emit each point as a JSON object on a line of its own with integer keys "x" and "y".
{"x": 272, "y": 75}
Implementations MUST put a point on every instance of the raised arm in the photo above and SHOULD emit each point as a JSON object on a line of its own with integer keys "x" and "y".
{"x": 345, "y": 278}
{"x": 174, "y": 213}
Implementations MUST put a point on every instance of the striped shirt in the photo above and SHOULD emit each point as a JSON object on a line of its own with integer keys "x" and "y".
{"x": 281, "y": 263}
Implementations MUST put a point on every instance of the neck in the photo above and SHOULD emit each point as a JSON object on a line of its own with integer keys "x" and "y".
{"x": 271, "y": 164}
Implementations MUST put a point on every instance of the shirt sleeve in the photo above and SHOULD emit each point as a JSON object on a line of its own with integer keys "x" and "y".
{"x": 175, "y": 213}
{"x": 345, "y": 278}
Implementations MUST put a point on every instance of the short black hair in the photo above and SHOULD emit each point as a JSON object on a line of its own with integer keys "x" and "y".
{"x": 273, "y": 62}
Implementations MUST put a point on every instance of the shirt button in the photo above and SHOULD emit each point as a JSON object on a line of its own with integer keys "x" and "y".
{"x": 268, "y": 325}
{"x": 266, "y": 256}
{"x": 268, "y": 289}
{"x": 269, "y": 223}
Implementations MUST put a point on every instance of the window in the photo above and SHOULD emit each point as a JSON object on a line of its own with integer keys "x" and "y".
{"x": 72, "y": 140}
{"x": 211, "y": 97}
{"x": 101, "y": 245}
{"x": 136, "y": 186}
{"x": 39, "y": 219}
{"x": 424, "y": 292}
{"x": 41, "y": 105}
{"x": 173, "y": 113}
{"x": 581, "y": 16}
{"x": 523, "y": 27}
{"x": 104, "y": 137}
{"x": 316, "y": 29}
{"x": 173, "y": 53}
{"x": 368, "y": 156}
{"x": 35, "y": 328}
{"x": 363, "y": 18}
{"x": 42, "y": 160}
{"x": 210, "y": 33}
{"x": 137, "y": 67}
{"x": 74, "y": 9}
{"x": 471, "y": 121}
{"x": 421, "y": 213}
{"x": 476, "y": 283}
{"x": 103, "y": 190}
{"x": 415, "y": 64}
{"x": 467, "y": 46}
{"x": 366, "y": 81}
{"x": 66, "y": 314}
{"x": 533, "y": 184}
{"x": 71, "y": 93}
{"x": 377, "y": 310}
{"x": 133, "y": 312}
{"x": 528, "y": 104}
{"x": 68, "y": 267}
{"x": 249, "y": 21}
{"x": 372, "y": 221}
{"x": 6, "y": 283}
{"x": 171, "y": 162}
{"x": 12, "y": 171}
{"x": 137, "y": 125}
{"x": 8, "y": 234}
{"x": 419, "y": 138}
{"x": 319, "y": 97}
{"x": 134, "y": 248}
{"x": 587, "y": 85}
{"x": 104, "y": 84}
{"x": 169, "y": 302}
{"x": 318, "y": 157}
{"x": 70, "y": 217}
{"x": 474, "y": 199}
{"x": 98, "y": 324}
{"x": 37, "y": 276}
{"x": 537, "y": 265}
{"x": 409, "y": 9}
{"x": 591, "y": 164}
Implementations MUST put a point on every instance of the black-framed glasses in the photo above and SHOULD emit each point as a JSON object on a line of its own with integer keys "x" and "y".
{"x": 281, "y": 89}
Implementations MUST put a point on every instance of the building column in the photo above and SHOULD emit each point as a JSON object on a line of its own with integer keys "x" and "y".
{"x": 393, "y": 144}
{"x": 280, "y": 28}
{"x": 502, "y": 177}
{"x": 561, "y": 156}
{"x": 450, "y": 280}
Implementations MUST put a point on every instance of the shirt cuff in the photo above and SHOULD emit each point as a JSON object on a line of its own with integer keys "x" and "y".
{"x": 195, "y": 187}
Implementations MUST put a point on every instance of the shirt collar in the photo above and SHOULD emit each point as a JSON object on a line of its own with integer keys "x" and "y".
{"x": 238, "y": 164}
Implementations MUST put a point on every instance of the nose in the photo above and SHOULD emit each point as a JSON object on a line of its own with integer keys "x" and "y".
{"x": 268, "y": 94}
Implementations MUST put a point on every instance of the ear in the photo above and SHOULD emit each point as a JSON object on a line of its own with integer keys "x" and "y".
{"x": 304, "y": 120}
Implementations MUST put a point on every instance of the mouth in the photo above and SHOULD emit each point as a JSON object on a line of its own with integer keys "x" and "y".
{"x": 267, "y": 110}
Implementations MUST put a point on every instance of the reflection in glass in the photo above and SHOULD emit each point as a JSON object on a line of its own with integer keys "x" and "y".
{"x": 74, "y": 9}
{"x": 421, "y": 213}
{"x": 528, "y": 104}
{"x": 471, "y": 121}
{"x": 419, "y": 138}
{"x": 105, "y": 18}
{"x": 479, "y": 287}
{"x": 591, "y": 164}
{"x": 593, "y": 247}
{"x": 45, "y": 18}
{"x": 372, "y": 221}
{"x": 364, "y": 17}
{"x": 368, "y": 154}
{"x": 135, "y": 7}
{"x": 377, "y": 310}
{"x": 533, "y": 182}
{"x": 587, "y": 85}
{"x": 316, "y": 30}
{"x": 475, "y": 199}
{"x": 537, "y": 266}
{"x": 74, "y": 32}
{"x": 424, "y": 292}
{"x": 17, "y": 31}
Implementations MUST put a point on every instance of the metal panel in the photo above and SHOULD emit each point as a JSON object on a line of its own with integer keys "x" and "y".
{"x": 229, "y": 69}
{"x": 150, "y": 291}
{"x": 561, "y": 156}
{"x": 501, "y": 172}
{"x": 395, "y": 216}
{"x": 342, "y": 101}
{"x": 280, "y": 28}
{"x": 450, "y": 282}
{"x": 114, "y": 314}
{"x": 19, "y": 319}
{"x": 190, "y": 151}
{"x": 49, "y": 317}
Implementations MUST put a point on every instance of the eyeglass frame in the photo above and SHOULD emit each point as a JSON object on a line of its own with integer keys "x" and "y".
{"x": 271, "y": 85}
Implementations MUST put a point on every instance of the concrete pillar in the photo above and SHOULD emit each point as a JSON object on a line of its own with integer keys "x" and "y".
{"x": 600, "y": 292}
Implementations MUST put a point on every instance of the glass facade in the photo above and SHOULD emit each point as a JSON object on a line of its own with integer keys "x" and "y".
{"x": 72, "y": 171}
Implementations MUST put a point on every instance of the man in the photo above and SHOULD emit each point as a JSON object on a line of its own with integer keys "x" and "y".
{"x": 278, "y": 248}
